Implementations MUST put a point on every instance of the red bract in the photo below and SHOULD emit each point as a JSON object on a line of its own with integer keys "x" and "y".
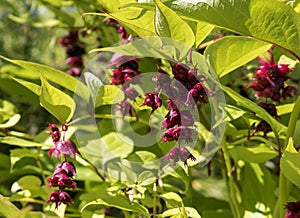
{"x": 293, "y": 209}
{"x": 60, "y": 197}
{"x": 180, "y": 133}
{"x": 270, "y": 80}
{"x": 65, "y": 147}
{"x": 152, "y": 100}
{"x": 61, "y": 180}
{"x": 74, "y": 71}
{"x": 176, "y": 154}
{"x": 67, "y": 167}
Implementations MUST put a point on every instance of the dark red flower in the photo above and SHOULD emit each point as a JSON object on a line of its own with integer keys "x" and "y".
{"x": 75, "y": 61}
{"x": 131, "y": 93}
{"x": 60, "y": 197}
{"x": 198, "y": 93}
{"x": 180, "y": 133}
{"x": 180, "y": 72}
{"x": 74, "y": 71}
{"x": 65, "y": 147}
{"x": 270, "y": 80}
{"x": 293, "y": 209}
{"x": 152, "y": 100}
{"x": 176, "y": 154}
{"x": 67, "y": 167}
{"x": 61, "y": 180}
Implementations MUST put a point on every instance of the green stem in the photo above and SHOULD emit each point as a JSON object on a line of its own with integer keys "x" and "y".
{"x": 110, "y": 116}
{"x": 283, "y": 182}
{"x": 231, "y": 188}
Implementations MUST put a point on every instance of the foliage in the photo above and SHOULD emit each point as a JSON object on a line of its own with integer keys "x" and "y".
{"x": 165, "y": 108}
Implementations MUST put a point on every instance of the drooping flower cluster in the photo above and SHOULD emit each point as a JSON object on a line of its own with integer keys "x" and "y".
{"x": 293, "y": 209}
{"x": 63, "y": 173}
{"x": 270, "y": 80}
{"x": 269, "y": 83}
{"x": 74, "y": 50}
{"x": 126, "y": 69}
{"x": 186, "y": 88}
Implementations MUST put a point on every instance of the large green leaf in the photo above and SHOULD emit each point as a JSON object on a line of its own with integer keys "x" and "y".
{"x": 231, "y": 52}
{"x": 169, "y": 24}
{"x": 59, "y": 77}
{"x": 258, "y": 178}
{"x": 11, "y": 140}
{"x": 290, "y": 164}
{"x": 56, "y": 102}
{"x": 7, "y": 209}
{"x": 267, "y": 20}
{"x": 257, "y": 154}
{"x": 277, "y": 127}
{"x": 120, "y": 202}
{"x": 112, "y": 6}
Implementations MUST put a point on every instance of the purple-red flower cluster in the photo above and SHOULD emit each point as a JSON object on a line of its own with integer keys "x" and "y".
{"x": 63, "y": 173}
{"x": 184, "y": 89}
{"x": 74, "y": 50}
{"x": 126, "y": 69}
{"x": 270, "y": 80}
{"x": 269, "y": 83}
{"x": 293, "y": 209}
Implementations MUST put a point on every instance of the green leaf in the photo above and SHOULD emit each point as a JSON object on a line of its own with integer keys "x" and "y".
{"x": 202, "y": 31}
{"x": 267, "y": 20}
{"x": 231, "y": 52}
{"x": 36, "y": 89}
{"x": 7, "y": 209}
{"x": 169, "y": 24}
{"x": 28, "y": 182}
{"x": 112, "y": 6}
{"x": 7, "y": 110}
{"x": 277, "y": 127}
{"x": 11, "y": 140}
{"x": 56, "y": 102}
{"x": 56, "y": 76}
{"x": 258, "y": 178}
{"x": 120, "y": 202}
{"x": 109, "y": 95}
{"x": 18, "y": 153}
{"x": 191, "y": 212}
{"x": 258, "y": 154}
{"x": 172, "y": 199}
{"x": 290, "y": 164}
{"x": 11, "y": 122}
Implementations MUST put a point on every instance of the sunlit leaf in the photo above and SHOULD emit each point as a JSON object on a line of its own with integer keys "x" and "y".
{"x": 168, "y": 24}
{"x": 58, "y": 103}
{"x": 267, "y": 20}
{"x": 290, "y": 164}
{"x": 231, "y": 52}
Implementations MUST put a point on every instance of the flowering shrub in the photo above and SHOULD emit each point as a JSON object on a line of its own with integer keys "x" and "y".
{"x": 154, "y": 109}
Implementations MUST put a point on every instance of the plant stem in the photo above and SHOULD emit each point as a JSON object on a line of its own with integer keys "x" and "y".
{"x": 283, "y": 182}
{"x": 231, "y": 189}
